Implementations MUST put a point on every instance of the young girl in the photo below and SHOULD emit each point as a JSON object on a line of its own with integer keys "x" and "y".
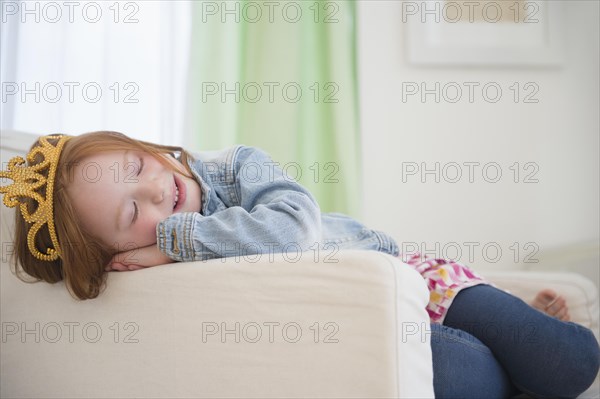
{"x": 101, "y": 201}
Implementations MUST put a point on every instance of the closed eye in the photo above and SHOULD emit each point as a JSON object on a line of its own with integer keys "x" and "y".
{"x": 136, "y": 212}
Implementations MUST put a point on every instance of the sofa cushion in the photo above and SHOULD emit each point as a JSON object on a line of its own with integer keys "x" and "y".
{"x": 352, "y": 325}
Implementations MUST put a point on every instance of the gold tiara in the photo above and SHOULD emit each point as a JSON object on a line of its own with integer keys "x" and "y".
{"x": 26, "y": 180}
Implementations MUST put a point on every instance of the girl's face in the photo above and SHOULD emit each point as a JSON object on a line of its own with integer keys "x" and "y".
{"x": 121, "y": 196}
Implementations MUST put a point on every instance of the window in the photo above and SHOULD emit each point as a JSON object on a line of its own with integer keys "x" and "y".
{"x": 73, "y": 67}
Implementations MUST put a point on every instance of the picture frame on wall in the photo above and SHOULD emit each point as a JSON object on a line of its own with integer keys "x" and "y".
{"x": 485, "y": 32}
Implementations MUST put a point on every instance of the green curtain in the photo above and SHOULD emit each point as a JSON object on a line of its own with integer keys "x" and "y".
{"x": 281, "y": 76}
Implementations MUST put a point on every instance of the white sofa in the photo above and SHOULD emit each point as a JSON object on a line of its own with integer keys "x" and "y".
{"x": 225, "y": 328}
{"x": 350, "y": 326}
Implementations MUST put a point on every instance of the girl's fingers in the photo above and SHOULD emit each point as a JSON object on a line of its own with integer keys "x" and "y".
{"x": 119, "y": 267}
{"x": 138, "y": 259}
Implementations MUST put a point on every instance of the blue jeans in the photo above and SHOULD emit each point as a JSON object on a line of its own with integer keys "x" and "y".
{"x": 494, "y": 345}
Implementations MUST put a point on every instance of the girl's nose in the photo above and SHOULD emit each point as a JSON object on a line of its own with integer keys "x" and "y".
{"x": 158, "y": 196}
{"x": 158, "y": 193}
{"x": 152, "y": 191}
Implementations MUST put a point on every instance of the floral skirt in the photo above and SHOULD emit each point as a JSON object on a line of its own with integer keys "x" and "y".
{"x": 445, "y": 279}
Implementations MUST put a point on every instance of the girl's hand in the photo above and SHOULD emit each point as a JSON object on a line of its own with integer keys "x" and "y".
{"x": 138, "y": 258}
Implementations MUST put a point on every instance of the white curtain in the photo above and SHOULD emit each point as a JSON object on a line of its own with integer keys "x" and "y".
{"x": 73, "y": 67}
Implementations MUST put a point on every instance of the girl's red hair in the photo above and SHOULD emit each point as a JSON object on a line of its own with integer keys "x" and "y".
{"x": 83, "y": 257}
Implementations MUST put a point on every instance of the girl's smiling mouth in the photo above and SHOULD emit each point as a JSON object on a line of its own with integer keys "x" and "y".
{"x": 179, "y": 194}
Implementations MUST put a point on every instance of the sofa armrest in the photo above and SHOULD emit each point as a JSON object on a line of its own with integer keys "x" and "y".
{"x": 349, "y": 325}
{"x": 580, "y": 293}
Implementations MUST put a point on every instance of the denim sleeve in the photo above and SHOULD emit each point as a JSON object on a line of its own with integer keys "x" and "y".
{"x": 272, "y": 212}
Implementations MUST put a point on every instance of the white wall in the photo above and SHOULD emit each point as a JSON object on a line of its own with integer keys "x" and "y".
{"x": 559, "y": 215}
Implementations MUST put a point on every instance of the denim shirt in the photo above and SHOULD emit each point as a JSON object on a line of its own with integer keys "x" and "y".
{"x": 251, "y": 207}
